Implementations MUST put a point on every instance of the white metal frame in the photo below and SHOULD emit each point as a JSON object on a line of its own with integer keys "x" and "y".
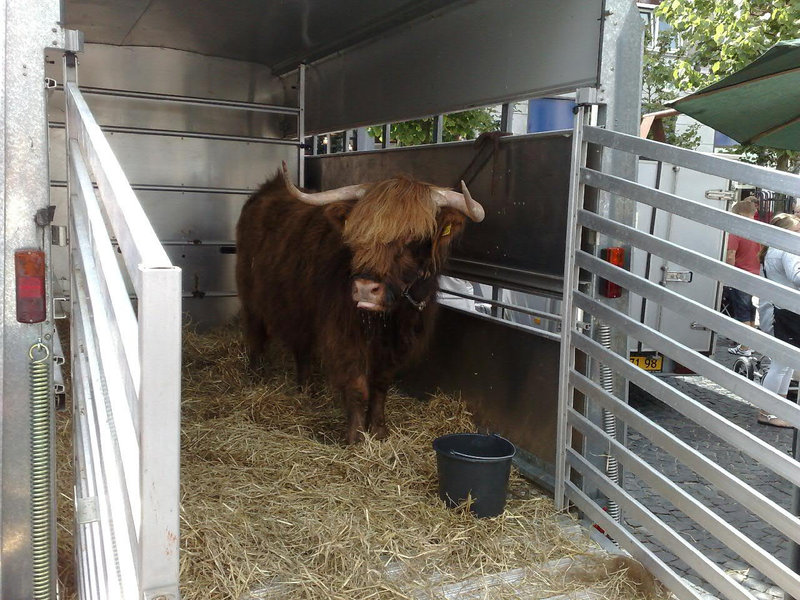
{"x": 581, "y": 307}
{"x": 126, "y": 374}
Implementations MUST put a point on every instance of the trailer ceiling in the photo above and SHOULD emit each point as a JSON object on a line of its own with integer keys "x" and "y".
{"x": 278, "y": 33}
{"x": 373, "y": 61}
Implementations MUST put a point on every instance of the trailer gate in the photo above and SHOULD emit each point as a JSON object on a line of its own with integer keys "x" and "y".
{"x": 126, "y": 377}
{"x": 582, "y": 390}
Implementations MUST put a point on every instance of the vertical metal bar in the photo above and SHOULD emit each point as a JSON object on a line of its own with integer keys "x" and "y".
{"x": 507, "y": 118}
{"x": 314, "y": 145}
{"x": 159, "y": 439}
{"x": 387, "y": 135}
{"x": 301, "y": 125}
{"x": 26, "y": 29}
{"x": 328, "y": 143}
{"x": 794, "y": 549}
{"x": 364, "y": 140}
{"x": 438, "y": 129}
{"x": 618, "y": 109}
{"x": 495, "y": 310}
{"x": 568, "y": 324}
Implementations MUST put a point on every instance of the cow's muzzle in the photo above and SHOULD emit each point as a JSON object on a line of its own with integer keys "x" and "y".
{"x": 369, "y": 294}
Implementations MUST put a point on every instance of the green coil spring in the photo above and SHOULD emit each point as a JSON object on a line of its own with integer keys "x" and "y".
{"x": 41, "y": 483}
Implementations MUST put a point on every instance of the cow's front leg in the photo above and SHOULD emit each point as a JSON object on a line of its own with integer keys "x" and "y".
{"x": 376, "y": 420}
{"x": 255, "y": 339}
{"x": 302, "y": 359}
{"x": 356, "y": 395}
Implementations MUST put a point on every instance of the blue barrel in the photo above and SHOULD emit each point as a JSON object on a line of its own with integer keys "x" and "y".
{"x": 550, "y": 114}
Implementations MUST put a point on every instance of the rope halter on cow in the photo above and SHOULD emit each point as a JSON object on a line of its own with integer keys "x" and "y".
{"x": 421, "y": 304}
{"x": 461, "y": 201}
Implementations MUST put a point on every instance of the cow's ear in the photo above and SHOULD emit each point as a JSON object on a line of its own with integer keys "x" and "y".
{"x": 337, "y": 213}
{"x": 449, "y": 225}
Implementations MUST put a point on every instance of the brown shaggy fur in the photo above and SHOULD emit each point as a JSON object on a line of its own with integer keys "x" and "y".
{"x": 294, "y": 271}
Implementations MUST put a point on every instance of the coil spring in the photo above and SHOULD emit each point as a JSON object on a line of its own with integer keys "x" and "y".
{"x": 609, "y": 420}
{"x": 41, "y": 493}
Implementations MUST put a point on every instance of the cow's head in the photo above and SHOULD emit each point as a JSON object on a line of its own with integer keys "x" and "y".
{"x": 399, "y": 232}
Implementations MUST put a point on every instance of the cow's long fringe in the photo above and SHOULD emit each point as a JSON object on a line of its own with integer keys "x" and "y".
{"x": 373, "y": 229}
{"x": 274, "y": 505}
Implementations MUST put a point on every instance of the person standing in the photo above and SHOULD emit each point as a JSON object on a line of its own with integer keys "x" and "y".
{"x": 743, "y": 254}
{"x": 784, "y": 268}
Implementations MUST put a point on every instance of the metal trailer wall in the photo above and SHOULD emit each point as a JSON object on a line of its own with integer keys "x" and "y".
{"x": 467, "y": 56}
{"x": 192, "y": 165}
{"x": 26, "y": 29}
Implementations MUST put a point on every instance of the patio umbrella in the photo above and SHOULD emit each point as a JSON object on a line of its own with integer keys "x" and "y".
{"x": 759, "y": 104}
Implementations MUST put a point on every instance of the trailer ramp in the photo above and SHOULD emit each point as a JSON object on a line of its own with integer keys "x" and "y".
{"x": 601, "y": 387}
{"x": 126, "y": 377}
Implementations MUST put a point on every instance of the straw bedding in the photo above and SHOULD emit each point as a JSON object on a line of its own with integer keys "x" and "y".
{"x": 274, "y": 505}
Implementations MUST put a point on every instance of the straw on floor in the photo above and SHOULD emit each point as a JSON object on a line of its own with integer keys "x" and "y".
{"x": 274, "y": 505}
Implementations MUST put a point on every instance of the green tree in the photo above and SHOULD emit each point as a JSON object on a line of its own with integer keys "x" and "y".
{"x": 465, "y": 125}
{"x": 712, "y": 39}
{"x": 658, "y": 89}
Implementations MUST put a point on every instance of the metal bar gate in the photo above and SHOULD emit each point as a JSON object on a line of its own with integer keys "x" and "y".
{"x": 578, "y": 389}
{"x": 126, "y": 378}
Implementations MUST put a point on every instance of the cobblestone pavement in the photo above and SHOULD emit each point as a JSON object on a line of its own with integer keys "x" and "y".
{"x": 764, "y": 480}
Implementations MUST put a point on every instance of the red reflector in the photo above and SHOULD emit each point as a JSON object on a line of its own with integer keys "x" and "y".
{"x": 616, "y": 256}
{"x": 30, "y": 269}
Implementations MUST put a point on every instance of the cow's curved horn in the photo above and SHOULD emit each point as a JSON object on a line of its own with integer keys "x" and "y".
{"x": 350, "y": 192}
{"x": 462, "y": 202}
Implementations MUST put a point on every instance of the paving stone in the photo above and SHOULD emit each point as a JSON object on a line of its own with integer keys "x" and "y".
{"x": 757, "y": 585}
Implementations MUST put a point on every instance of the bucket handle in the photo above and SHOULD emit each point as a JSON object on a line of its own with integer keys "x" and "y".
{"x": 472, "y": 457}
{"x": 492, "y": 458}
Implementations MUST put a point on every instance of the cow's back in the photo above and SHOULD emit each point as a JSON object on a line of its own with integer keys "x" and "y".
{"x": 290, "y": 263}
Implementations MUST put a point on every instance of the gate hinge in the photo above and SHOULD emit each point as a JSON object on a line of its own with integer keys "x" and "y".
{"x": 73, "y": 40}
{"x": 44, "y": 216}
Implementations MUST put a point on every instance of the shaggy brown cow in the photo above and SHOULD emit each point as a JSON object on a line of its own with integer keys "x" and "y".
{"x": 348, "y": 275}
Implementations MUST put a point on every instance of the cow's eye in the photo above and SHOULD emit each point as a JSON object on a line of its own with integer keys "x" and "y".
{"x": 421, "y": 250}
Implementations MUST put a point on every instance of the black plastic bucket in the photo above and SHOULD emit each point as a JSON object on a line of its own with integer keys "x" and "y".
{"x": 475, "y": 465}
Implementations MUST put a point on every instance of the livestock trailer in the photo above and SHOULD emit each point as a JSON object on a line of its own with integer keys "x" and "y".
{"x": 133, "y": 131}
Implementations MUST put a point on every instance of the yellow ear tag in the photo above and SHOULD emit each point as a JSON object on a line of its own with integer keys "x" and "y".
{"x": 446, "y": 230}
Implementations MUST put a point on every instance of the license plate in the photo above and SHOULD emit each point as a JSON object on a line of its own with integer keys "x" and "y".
{"x": 648, "y": 362}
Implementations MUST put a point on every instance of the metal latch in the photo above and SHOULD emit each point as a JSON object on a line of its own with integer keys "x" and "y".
{"x": 678, "y": 276}
{"x": 697, "y": 327}
{"x": 719, "y": 195}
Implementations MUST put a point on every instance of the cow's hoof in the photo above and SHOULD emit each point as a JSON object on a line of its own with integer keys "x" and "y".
{"x": 379, "y": 432}
{"x": 355, "y": 436}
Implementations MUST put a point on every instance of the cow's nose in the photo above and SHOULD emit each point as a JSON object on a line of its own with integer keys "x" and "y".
{"x": 368, "y": 294}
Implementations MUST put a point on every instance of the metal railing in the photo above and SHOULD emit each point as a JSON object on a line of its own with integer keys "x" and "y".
{"x": 126, "y": 378}
{"x": 579, "y": 390}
